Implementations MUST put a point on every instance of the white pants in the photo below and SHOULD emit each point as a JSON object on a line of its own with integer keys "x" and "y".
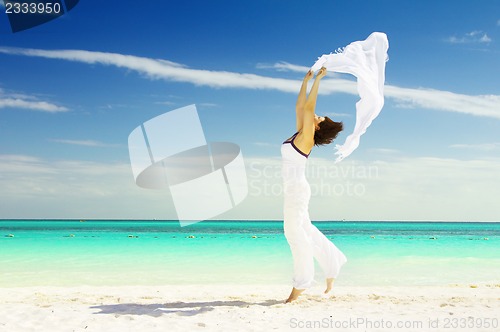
{"x": 306, "y": 243}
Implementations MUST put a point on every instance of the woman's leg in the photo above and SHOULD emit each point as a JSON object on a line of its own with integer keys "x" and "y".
{"x": 329, "y": 257}
{"x": 301, "y": 247}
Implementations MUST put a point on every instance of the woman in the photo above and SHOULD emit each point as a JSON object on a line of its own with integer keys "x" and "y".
{"x": 305, "y": 240}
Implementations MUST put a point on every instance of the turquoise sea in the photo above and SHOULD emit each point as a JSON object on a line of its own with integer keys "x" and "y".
{"x": 123, "y": 252}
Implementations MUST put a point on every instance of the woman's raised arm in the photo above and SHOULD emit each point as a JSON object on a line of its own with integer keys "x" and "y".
{"x": 301, "y": 101}
{"x": 310, "y": 108}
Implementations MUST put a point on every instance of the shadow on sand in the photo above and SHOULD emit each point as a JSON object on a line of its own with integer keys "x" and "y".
{"x": 179, "y": 308}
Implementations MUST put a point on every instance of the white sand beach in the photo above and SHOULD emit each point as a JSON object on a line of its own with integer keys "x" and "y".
{"x": 467, "y": 307}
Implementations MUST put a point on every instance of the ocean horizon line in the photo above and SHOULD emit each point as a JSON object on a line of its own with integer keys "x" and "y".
{"x": 243, "y": 220}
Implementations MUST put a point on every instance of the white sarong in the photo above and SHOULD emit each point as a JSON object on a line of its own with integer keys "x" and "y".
{"x": 366, "y": 60}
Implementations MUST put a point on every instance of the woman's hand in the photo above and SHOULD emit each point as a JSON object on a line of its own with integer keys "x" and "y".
{"x": 321, "y": 73}
{"x": 308, "y": 76}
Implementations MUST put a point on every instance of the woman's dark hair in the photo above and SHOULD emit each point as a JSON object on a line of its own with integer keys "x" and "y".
{"x": 327, "y": 132}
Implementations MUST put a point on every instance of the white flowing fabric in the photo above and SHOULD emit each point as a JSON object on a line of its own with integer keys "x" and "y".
{"x": 366, "y": 60}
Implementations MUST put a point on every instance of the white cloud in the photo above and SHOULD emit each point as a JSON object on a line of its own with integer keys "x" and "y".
{"x": 384, "y": 151}
{"x": 16, "y": 100}
{"x": 481, "y": 147}
{"x": 115, "y": 106}
{"x": 484, "y": 39}
{"x": 387, "y": 189}
{"x": 470, "y": 37}
{"x": 480, "y": 105}
{"x": 161, "y": 69}
{"x": 284, "y": 66}
{"x": 445, "y": 189}
{"x": 31, "y": 105}
{"x": 2, "y": 4}
{"x": 265, "y": 144}
{"x": 207, "y": 105}
{"x": 26, "y": 165}
{"x": 75, "y": 189}
{"x": 165, "y": 103}
{"x": 89, "y": 143}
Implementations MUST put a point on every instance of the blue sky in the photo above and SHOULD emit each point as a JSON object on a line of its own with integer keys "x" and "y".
{"x": 432, "y": 154}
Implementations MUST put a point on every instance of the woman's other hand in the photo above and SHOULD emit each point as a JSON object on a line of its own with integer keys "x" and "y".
{"x": 321, "y": 73}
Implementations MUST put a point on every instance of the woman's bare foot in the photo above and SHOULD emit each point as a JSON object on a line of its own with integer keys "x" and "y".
{"x": 294, "y": 294}
{"x": 329, "y": 284}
